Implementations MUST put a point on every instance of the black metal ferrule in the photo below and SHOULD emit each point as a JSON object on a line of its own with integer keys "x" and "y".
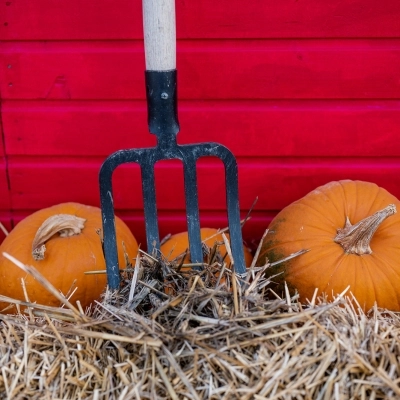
{"x": 162, "y": 104}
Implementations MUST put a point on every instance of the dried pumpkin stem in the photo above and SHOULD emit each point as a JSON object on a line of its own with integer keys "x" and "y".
{"x": 355, "y": 239}
{"x": 63, "y": 224}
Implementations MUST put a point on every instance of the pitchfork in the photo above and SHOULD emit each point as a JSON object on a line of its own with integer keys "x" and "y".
{"x": 161, "y": 93}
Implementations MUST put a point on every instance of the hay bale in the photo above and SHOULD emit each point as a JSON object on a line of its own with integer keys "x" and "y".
{"x": 236, "y": 340}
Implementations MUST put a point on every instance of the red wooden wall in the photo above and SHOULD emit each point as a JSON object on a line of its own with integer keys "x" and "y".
{"x": 303, "y": 92}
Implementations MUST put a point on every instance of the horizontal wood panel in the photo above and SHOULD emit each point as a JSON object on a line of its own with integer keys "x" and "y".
{"x": 274, "y": 128}
{"x": 171, "y": 223}
{"x": 1, "y": 133}
{"x": 275, "y": 181}
{"x": 91, "y": 19}
{"x": 4, "y": 191}
{"x": 247, "y": 69}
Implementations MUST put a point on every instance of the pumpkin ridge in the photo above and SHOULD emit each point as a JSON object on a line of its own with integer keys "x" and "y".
{"x": 383, "y": 270}
{"x": 388, "y": 262}
{"x": 340, "y": 261}
{"x": 88, "y": 249}
{"x": 357, "y": 195}
{"x": 302, "y": 268}
{"x": 370, "y": 271}
{"x": 67, "y": 275}
{"x": 345, "y": 186}
{"x": 317, "y": 212}
{"x": 371, "y": 279}
{"x": 344, "y": 197}
{"x": 375, "y": 204}
{"x": 370, "y": 210}
{"x": 351, "y": 195}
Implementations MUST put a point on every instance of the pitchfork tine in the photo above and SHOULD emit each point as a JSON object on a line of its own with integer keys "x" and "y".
{"x": 192, "y": 212}
{"x": 150, "y": 208}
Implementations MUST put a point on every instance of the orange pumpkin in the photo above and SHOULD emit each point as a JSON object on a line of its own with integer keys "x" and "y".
{"x": 351, "y": 243}
{"x": 177, "y": 245}
{"x": 62, "y": 242}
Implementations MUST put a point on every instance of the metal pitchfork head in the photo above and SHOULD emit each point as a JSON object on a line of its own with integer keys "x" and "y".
{"x": 161, "y": 93}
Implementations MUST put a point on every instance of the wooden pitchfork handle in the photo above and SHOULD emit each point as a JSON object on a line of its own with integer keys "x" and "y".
{"x": 159, "y": 34}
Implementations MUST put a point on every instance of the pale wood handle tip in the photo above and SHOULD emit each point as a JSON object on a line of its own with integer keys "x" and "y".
{"x": 159, "y": 34}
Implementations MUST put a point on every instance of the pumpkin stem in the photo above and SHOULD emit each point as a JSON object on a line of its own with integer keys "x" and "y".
{"x": 63, "y": 224}
{"x": 355, "y": 239}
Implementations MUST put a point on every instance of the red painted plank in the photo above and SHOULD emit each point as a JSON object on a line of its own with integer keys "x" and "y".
{"x": 90, "y": 19}
{"x": 4, "y": 190}
{"x": 246, "y": 69}
{"x": 276, "y": 181}
{"x": 264, "y": 128}
{"x": 1, "y": 133}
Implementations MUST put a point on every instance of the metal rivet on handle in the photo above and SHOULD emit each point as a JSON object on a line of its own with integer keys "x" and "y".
{"x": 164, "y": 96}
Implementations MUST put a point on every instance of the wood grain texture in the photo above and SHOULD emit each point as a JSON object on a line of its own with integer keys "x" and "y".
{"x": 159, "y": 31}
{"x": 249, "y": 128}
{"x": 275, "y": 181}
{"x": 64, "y": 20}
{"x": 234, "y": 70}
